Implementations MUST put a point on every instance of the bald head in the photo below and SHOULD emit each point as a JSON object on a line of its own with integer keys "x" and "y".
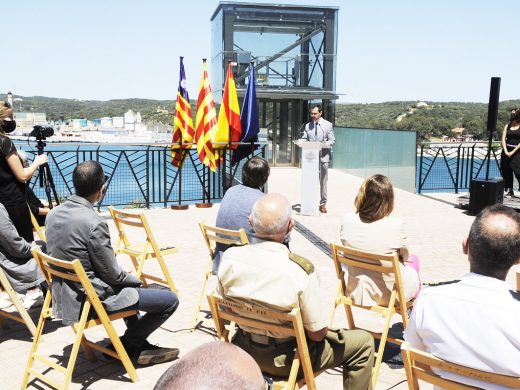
{"x": 271, "y": 217}
{"x": 493, "y": 244}
{"x": 213, "y": 366}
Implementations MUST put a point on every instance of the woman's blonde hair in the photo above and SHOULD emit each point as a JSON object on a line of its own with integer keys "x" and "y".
{"x": 5, "y": 112}
{"x": 375, "y": 198}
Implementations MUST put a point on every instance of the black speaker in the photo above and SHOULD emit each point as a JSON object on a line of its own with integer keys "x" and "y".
{"x": 494, "y": 95}
{"x": 485, "y": 193}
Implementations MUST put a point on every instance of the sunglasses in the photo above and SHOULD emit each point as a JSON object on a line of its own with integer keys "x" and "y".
{"x": 7, "y": 105}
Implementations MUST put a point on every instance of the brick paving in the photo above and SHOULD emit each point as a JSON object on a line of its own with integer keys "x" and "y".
{"x": 435, "y": 226}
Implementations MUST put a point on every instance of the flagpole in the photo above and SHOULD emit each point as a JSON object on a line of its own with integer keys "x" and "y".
{"x": 180, "y": 206}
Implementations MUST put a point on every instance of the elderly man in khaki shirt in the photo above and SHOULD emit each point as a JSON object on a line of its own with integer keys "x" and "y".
{"x": 267, "y": 273}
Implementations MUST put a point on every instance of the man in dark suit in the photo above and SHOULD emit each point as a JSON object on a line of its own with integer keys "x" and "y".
{"x": 76, "y": 231}
{"x": 320, "y": 130}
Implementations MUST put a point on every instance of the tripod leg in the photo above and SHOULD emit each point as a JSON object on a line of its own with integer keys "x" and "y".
{"x": 51, "y": 183}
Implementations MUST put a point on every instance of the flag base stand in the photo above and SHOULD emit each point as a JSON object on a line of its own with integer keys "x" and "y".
{"x": 203, "y": 205}
{"x": 179, "y": 206}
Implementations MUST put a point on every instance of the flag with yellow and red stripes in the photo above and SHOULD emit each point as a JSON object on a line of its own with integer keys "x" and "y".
{"x": 205, "y": 121}
{"x": 182, "y": 122}
{"x": 229, "y": 126}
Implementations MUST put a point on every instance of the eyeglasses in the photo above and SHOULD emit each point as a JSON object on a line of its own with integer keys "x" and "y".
{"x": 7, "y": 105}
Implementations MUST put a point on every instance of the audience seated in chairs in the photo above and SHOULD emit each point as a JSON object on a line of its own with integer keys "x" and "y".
{"x": 372, "y": 229}
{"x": 475, "y": 322}
{"x": 238, "y": 201}
{"x": 213, "y": 366}
{"x": 267, "y": 273}
{"x": 19, "y": 266}
{"x": 76, "y": 231}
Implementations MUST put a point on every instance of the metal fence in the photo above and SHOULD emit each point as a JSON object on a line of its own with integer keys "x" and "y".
{"x": 447, "y": 166}
{"x": 140, "y": 176}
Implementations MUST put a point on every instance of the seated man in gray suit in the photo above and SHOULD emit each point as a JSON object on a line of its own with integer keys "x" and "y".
{"x": 76, "y": 231}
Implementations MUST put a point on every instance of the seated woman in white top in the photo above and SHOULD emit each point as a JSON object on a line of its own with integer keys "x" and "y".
{"x": 372, "y": 229}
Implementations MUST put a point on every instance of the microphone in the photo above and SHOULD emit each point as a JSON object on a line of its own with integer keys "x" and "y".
{"x": 302, "y": 133}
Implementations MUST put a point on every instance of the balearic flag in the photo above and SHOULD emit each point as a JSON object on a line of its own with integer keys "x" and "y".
{"x": 248, "y": 119}
{"x": 229, "y": 127}
{"x": 182, "y": 121}
{"x": 205, "y": 121}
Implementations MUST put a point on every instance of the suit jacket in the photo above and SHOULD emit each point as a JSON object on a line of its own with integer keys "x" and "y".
{"x": 322, "y": 132}
{"x": 76, "y": 231}
{"x": 15, "y": 256}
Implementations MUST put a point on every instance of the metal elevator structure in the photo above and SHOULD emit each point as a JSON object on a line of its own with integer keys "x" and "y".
{"x": 293, "y": 49}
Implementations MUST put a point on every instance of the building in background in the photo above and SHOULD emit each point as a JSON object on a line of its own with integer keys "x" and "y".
{"x": 294, "y": 52}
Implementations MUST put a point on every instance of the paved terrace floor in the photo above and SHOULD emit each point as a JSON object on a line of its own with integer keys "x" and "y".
{"x": 436, "y": 229}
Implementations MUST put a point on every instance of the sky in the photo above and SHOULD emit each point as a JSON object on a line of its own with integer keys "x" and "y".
{"x": 388, "y": 50}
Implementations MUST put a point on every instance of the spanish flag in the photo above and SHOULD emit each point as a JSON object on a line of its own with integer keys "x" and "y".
{"x": 182, "y": 122}
{"x": 229, "y": 126}
{"x": 205, "y": 121}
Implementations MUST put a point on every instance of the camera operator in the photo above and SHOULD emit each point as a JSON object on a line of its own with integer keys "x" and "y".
{"x": 13, "y": 176}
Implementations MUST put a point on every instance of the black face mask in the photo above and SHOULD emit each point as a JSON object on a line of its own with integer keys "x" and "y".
{"x": 9, "y": 126}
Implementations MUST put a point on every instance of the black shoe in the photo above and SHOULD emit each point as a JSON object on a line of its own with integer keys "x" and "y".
{"x": 153, "y": 354}
{"x": 132, "y": 351}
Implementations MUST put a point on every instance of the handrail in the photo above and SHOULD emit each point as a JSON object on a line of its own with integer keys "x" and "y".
{"x": 452, "y": 166}
{"x": 141, "y": 175}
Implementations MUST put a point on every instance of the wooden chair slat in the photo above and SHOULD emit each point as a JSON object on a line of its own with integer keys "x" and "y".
{"x": 141, "y": 252}
{"x": 419, "y": 364}
{"x": 75, "y": 272}
{"x": 211, "y": 238}
{"x": 370, "y": 261}
{"x": 294, "y": 328}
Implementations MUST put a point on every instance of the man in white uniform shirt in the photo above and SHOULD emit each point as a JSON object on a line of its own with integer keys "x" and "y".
{"x": 476, "y": 322}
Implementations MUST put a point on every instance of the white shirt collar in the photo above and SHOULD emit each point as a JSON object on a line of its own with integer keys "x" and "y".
{"x": 483, "y": 281}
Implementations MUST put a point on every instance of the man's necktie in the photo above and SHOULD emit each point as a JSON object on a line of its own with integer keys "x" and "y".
{"x": 315, "y": 129}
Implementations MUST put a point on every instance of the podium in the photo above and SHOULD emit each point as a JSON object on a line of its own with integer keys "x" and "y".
{"x": 310, "y": 184}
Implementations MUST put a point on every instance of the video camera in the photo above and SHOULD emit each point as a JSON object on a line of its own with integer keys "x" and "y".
{"x": 41, "y": 132}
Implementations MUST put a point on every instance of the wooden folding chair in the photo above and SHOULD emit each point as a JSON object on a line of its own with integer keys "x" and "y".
{"x": 213, "y": 235}
{"x": 385, "y": 264}
{"x": 74, "y": 272}
{"x": 22, "y": 316}
{"x": 139, "y": 253}
{"x": 419, "y": 364}
{"x": 40, "y": 230}
{"x": 282, "y": 323}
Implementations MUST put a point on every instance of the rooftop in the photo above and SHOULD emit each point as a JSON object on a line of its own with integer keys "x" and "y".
{"x": 435, "y": 227}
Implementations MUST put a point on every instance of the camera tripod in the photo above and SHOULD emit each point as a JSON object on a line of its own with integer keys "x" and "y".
{"x": 46, "y": 176}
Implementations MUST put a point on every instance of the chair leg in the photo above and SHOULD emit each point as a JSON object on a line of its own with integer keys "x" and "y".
{"x": 37, "y": 339}
{"x": 139, "y": 270}
{"x": 382, "y": 341}
{"x": 120, "y": 350}
{"x": 84, "y": 344}
{"x": 166, "y": 273}
{"x": 22, "y": 312}
{"x": 199, "y": 303}
{"x": 80, "y": 328}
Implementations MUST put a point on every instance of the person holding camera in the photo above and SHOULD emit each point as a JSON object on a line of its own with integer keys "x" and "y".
{"x": 13, "y": 176}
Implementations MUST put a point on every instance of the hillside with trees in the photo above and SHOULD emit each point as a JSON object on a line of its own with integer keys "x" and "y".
{"x": 431, "y": 120}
